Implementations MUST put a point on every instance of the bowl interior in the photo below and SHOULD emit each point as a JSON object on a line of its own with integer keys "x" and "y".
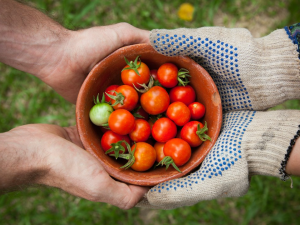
{"x": 108, "y": 72}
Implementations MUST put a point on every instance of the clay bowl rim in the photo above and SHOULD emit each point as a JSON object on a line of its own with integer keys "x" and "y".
{"x": 129, "y": 176}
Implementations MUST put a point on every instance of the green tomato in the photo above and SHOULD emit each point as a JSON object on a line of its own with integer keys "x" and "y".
{"x": 100, "y": 113}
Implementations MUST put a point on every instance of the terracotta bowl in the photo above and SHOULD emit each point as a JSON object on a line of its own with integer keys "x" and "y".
{"x": 107, "y": 72}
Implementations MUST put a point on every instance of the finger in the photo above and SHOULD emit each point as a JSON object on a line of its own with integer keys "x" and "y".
{"x": 73, "y": 136}
{"x": 122, "y": 195}
{"x": 133, "y": 35}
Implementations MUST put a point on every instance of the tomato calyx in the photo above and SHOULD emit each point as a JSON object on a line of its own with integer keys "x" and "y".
{"x": 129, "y": 156}
{"x": 167, "y": 161}
{"x": 96, "y": 101}
{"x": 119, "y": 98}
{"x": 117, "y": 148}
{"x": 201, "y": 132}
{"x": 145, "y": 87}
{"x": 133, "y": 65}
{"x": 183, "y": 77}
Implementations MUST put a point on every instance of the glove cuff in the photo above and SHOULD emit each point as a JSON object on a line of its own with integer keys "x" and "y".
{"x": 282, "y": 171}
{"x": 269, "y": 142}
{"x": 294, "y": 34}
{"x": 278, "y": 66}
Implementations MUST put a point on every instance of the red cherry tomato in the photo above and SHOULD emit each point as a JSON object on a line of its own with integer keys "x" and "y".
{"x": 179, "y": 150}
{"x": 155, "y": 101}
{"x": 110, "y": 90}
{"x": 141, "y": 131}
{"x": 185, "y": 94}
{"x": 179, "y": 113}
{"x": 153, "y": 73}
{"x": 130, "y": 77}
{"x": 109, "y": 137}
{"x": 159, "y": 148}
{"x": 121, "y": 121}
{"x": 197, "y": 110}
{"x": 189, "y": 133}
{"x": 145, "y": 156}
{"x": 167, "y": 75}
{"x": 126, "y": 98}
{"x": 164, "y": 129}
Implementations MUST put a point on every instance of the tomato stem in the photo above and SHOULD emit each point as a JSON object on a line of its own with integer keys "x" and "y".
{"x": 119, "y": 98}
{"x": 145, "y": 87}
{"x": 167, "y": 161}
{"x": 133, "y": 65}
{"x": 116, "y": 148}
{"x": 130, "y": 156}
{"x": 96, "y": 101}
{"x": 183, "y": 77}
{"x": 201, "y": 132}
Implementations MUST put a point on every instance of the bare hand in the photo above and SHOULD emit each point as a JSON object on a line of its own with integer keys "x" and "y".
{"x": 53, "y": 156}
{"x": 83, "y": 50}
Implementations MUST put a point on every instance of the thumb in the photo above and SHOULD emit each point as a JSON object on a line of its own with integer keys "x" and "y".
{"x": 133, "y": 35}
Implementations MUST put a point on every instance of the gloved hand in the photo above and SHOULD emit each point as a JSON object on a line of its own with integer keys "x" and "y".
{"x": 251, "y": 74}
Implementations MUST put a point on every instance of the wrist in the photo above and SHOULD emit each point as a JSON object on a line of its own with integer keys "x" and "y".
{"x": 29, "y": 41}
{"x": 21, "y": 164}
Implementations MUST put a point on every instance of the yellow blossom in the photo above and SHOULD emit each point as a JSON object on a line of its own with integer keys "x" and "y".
{"x": 186, "y": 11}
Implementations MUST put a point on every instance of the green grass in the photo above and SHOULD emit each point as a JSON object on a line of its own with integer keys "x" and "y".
{"x": 24, "y": 99}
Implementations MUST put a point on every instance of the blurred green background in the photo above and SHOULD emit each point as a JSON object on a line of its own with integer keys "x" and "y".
{"x": 24, "y": 99}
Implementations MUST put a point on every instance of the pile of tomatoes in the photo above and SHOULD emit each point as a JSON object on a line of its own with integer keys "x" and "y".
{"x": 152, "y": 117}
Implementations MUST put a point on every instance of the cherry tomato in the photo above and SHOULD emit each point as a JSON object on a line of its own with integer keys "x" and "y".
{"x": 141, "y": 131}
{"x": 155, "y": 101}
{"x": 153, "y": 73}
{"x": 197, "y": 110}
{"x": 145, "y": 156}
{"x": 192, "y": 132}
{"x": 167, "y": 75}
{"x": 110, "y": 137}
{"x": 159, "y": 148}
{"x": 130, "y": 77}
{"x": 100, "y": 112}
{"x": 126, "y": 98}
{"x": 185, "y": 94}
{"x": 110, "y": 90}
{"x": 179, "y": 113}
{"x": 121, "y": 121}
{"x": 164, "y": 129}
{"x": 179, "y": 150}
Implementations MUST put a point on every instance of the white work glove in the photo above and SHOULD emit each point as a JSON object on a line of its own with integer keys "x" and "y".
{"x": 251, "y": 74}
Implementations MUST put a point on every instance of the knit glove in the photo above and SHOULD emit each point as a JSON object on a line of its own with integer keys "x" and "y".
{"x": 251, "y": 142}
{"x": 251, "y": 74}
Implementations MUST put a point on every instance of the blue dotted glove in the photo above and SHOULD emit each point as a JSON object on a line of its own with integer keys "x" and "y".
{"x": 250, "y": 143}
{"x": 248, "y": 72}
{"x": 251, "y": 74}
